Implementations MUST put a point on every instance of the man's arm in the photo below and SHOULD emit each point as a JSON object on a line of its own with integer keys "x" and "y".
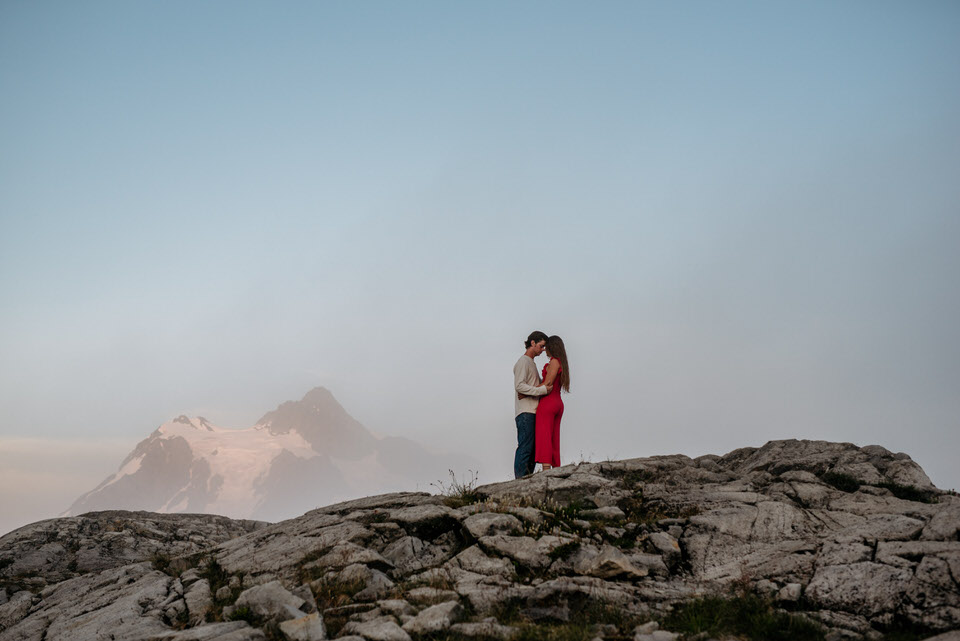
{"x": 525, "y": 388}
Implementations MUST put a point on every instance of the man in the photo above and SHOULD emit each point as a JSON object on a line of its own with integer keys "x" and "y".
{"x": 527, "y": 389}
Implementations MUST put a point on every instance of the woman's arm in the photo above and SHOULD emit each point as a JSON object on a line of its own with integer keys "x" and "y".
{"x": 553, "y": 368}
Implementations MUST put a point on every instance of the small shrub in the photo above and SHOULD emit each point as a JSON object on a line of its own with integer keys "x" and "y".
{"x": 244, "y": 613}
{"x": 161, "y": 562}
{"x": 182, "y": 620}
{"x": 632, "y": 506}
{"x": 214, "y": 573}
{"x": 218, "y": 578}
{"x": 508, "y": 612}
{"x": 565, "y": 550}
{"x": 628, "y": 540}
{"x": 333, "y": 594}
{"x": 910, "y": 492}
{"x": 840, "y": 481}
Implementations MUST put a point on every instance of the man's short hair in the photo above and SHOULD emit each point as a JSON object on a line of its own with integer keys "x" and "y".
{"x": 535, "y": 337}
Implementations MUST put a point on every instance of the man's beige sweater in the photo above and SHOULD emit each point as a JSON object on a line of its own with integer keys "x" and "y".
{"x": 526, "y": 380}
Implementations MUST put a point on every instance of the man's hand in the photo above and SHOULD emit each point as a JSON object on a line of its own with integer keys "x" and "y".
{"x": 523, "y": 396}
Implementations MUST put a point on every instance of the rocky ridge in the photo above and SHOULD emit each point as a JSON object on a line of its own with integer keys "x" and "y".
{"x": 856, "y": 540}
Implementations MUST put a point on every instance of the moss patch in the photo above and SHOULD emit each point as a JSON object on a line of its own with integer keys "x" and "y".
{"x": 746, "y": 616}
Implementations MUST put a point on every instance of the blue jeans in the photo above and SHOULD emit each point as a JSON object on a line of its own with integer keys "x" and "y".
{"x": 526, "y": 428}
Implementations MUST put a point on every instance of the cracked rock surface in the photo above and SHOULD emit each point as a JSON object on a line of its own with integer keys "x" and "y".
{"x": 855, "y": 538}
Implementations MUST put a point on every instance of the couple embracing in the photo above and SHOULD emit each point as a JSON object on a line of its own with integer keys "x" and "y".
{"x": 538, "y": 405}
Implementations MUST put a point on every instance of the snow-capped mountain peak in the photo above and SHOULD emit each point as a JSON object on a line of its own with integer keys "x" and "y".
{"x": 301, "y": 455}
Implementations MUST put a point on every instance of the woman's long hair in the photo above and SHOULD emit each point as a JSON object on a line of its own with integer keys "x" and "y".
{"x": 556, "y": 350}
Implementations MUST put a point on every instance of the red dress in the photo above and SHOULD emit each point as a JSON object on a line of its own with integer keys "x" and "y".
{"x": 549, "y": 413}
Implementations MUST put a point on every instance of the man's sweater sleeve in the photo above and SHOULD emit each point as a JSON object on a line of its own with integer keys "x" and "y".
{"x": 523, "y": 387}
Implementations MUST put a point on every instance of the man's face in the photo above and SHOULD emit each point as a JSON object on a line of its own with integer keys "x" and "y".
{"x": 539, "y": 347}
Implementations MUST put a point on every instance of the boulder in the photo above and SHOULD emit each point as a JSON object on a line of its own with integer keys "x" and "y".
{"x": 270, "y": 600}
{"x": 396, "y": 607}
{"x": 434, "y": 619}
{"x": 346, "y": 553}
{"x": 232, "y": 631}
{"x": 667, "y": 546}
{"x": 431, "y": 595}
{"x": 198, "y": 600}
{"x": 375, "y": 584}
{"x": 486, "y": 629}
{"x": 606, "y": 513}
{"x": 57, "y": 549}
{"x": 411, "y": 554}
{"x": 308, "y": 628}
{"x": 15, "y": 608}
{"x": 610, "y": 563}
{"x": 525, "y": 550}
{"x": 944, "y": 525}
{"x": 791, "y": 592}
{"x": 474, "y": 560}
{"x": 867, "y": 588}
{"x": 425, "y": 521}
{"x": 126, "y": 602}
{"x": 490, "y": 523}
{"x": 383, "y": 629}
{"x": 657, "y": 635}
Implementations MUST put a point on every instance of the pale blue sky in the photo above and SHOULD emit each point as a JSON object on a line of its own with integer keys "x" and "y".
{"x": 742, "y": 217}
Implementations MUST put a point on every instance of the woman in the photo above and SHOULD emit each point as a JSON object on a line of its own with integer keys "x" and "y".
{"x": 550, "y": 410}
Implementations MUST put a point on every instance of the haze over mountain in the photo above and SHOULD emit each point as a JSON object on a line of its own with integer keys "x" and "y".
{"x": 301, "y": 455}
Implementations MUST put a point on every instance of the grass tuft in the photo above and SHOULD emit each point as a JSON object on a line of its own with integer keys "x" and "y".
{"x": 459, "y": 493}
